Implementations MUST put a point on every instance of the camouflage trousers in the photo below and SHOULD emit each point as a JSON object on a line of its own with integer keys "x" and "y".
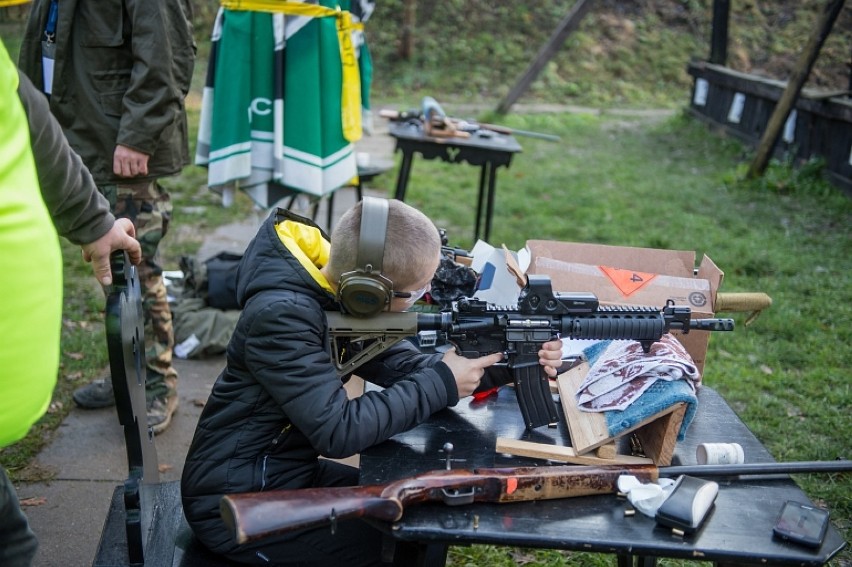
{"x": 149, "y": 207}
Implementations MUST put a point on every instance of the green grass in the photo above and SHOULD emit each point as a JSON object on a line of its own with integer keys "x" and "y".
{"x": 673, "y": 184}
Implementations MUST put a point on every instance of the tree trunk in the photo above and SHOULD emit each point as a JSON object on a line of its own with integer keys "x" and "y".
{"x": 409, "y": 20}
{"x": 794, "y": 87}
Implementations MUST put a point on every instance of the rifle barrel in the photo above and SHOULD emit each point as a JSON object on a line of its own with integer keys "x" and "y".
{"x": 795, "y": 467}
{"x": 516, "y": 132}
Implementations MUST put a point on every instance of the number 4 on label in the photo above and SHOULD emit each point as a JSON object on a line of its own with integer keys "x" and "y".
{"x": 628, "y": 282}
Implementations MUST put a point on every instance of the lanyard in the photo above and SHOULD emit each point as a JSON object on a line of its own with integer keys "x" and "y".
{"x": 52, "y": 14}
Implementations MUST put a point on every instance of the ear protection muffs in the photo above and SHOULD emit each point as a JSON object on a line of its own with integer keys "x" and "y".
{"x": 365, "y": 292}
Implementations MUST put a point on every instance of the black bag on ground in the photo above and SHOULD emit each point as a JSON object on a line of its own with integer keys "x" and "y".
{"x": 222, "y": 280}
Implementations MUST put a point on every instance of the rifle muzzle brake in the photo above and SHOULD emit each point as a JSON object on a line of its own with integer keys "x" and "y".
{"x": 712, "y": 325}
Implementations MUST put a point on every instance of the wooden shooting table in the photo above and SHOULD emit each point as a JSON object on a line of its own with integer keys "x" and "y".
{"x": 738, "y": 530}
{"x": 483, "y": 148}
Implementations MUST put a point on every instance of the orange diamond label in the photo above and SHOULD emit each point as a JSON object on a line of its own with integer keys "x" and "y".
{"x": 628, "y": 282}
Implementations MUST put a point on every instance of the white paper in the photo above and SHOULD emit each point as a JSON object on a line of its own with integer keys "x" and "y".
{"x": 524, "y": 259}
{"x": 735, "y": 113}
{"x": 646, "y": 498}
{"x": 790, "y": 127}
{"x": 701, "y": 89}
{"x": 184, "y": 349}
{"x": 480, "y": 252}
{"x": 47, "y": 74}
{"x": 496, "y": 284}
{"x": 172, "y": 275}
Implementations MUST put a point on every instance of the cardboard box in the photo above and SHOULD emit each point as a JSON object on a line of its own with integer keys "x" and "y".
{"x": 620, "y": 275}
{"x": 617, "y": 275}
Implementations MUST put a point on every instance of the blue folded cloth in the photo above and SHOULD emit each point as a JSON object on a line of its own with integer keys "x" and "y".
{"x": 660, "y": 395}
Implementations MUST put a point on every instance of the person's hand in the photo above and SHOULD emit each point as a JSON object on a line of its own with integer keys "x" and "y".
{"x": 468, "y": 371}
{"x": 127, "y": 162}
{"x": 120, "y": 237}
{"x": 550, "y": 356}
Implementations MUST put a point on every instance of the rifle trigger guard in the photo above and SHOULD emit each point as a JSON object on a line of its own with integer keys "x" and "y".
{"x": 455, "y": 497}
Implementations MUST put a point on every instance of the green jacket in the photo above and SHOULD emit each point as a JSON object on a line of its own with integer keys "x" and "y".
{"x": 122, "y": 71}
{"x": 78, "y": 211}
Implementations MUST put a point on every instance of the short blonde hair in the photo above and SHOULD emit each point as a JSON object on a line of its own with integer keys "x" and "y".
{"x": 412, "y": 245}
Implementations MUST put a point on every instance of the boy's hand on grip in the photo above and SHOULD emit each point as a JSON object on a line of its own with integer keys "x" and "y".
{"x": 550, "y": 357}
{"x": 468, "y": 371}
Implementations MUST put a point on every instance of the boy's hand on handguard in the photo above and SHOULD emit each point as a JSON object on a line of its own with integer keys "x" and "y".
{"x": 468, "y": 371}
{"x": 550, "y": 356}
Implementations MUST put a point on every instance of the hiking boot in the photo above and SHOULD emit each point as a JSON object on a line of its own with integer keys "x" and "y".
{"x": 97, "y": 394}
{"x": 160, "y": 413}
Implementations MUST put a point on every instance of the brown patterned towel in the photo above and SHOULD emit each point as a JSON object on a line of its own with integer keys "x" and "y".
{"x": 623, "y": 372}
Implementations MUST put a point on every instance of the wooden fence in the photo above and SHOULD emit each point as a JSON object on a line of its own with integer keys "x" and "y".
{"x": 819, "y": 126}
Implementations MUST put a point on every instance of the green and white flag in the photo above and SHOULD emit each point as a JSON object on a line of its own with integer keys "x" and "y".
{"x": 273, "y": 110}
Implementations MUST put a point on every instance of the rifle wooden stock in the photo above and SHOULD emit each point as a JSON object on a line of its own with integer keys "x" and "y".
{"x": 257, "y": 515}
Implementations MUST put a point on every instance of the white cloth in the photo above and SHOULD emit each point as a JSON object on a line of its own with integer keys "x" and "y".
{"x": 648, "y": 497}
{"x": 624, "y": 371}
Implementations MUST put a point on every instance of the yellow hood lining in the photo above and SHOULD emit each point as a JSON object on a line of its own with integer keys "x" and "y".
{"x": 308, "y": 245}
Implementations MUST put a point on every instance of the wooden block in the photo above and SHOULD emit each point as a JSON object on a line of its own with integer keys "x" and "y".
{"x": 588, "y": 429}
{"x": 607, "y": 451}
{"x": 657, "y": 433}
{"x": 554, "y": 386}
{"x": 562, "y": 454}
{"x": 659, "y": 437}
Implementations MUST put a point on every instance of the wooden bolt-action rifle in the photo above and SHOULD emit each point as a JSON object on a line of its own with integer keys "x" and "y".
{"x": 257, "y": 515}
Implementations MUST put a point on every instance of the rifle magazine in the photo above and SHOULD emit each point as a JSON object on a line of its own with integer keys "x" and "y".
{"x": 532, "y": 387}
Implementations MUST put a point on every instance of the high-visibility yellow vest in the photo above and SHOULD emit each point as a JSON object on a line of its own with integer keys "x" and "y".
{"x": 30, "y": 273}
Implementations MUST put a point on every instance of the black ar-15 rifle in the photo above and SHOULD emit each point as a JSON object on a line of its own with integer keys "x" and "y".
{"x": 477, "y": 328}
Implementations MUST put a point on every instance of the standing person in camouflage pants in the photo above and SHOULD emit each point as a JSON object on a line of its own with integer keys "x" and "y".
{"x": 117, "y": 73}
{"x": 149, "y": 207}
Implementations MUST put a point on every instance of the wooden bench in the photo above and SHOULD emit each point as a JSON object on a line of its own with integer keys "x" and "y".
{"x": 145, "y": 524}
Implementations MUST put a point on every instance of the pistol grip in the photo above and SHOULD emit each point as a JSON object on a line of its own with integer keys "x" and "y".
{"x": 532, "y": 387}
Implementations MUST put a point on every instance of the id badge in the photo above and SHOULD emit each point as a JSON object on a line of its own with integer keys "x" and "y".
{"x": 48, "y": 55}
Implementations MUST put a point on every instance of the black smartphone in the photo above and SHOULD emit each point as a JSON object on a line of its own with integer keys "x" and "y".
{"x": 801, "y": 523}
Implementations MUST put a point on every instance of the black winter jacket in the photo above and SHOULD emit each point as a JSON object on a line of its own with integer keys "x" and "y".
{"x": 279, "y": 404}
